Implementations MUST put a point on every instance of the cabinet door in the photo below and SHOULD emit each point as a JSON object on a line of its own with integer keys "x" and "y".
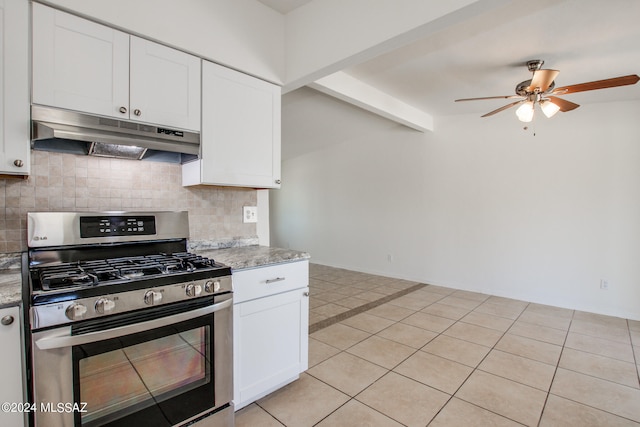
{"x": 78, "y": 64}
{"x": 241, "y": 129}
{"x": 270, "y": 344}
{"x": 11, "y": 366}
{"x": 165, "y": 85}
{"x": 14, "y": 87}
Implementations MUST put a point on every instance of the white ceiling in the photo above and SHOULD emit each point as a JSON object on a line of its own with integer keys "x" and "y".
{"x": 485, "y": 55}
{"x": 284, "y": 6}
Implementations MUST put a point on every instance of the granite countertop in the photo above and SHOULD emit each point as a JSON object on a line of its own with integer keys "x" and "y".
{"x": 244, "y": 257}
{"x": 10, "y": 287}
{"x": 238, "y": 258}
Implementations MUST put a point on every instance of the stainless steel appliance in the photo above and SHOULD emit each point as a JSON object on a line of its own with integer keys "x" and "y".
{"x": 127, "y": 328}
{"x": 55, "y": 129}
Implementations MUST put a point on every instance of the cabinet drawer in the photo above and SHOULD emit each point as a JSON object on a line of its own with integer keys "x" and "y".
{"x": 270, "y": 280}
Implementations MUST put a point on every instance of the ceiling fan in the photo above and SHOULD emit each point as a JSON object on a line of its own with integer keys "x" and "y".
{"x": 541, "y": 90}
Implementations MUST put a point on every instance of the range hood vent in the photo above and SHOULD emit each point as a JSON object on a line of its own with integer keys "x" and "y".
{"x": 67, "y": 131}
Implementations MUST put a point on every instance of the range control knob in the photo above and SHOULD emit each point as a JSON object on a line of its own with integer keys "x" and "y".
{"x": 75, "y": 311}
{"x": 193, "y": 290}
{"x": 211, "y": 286}
{"x": 152, "y": 297}
{"x": 105, "y": 305}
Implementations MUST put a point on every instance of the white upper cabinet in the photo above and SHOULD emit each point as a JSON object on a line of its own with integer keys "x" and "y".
{"x": 14, "y": 87}
{"x": 83, "y": 66}
{"x": 240, "y": 137}
{"x": 79, "y": 65}
{"x": 165, "y": 85}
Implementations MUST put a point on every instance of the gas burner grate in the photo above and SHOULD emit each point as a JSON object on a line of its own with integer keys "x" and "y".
{"x": 94, "y": 272}
{"x": 66, "y": 275}
{"x": 196, "y": 261}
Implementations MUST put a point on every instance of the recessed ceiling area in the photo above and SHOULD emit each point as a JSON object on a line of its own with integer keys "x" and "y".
{"x": 485, "y": 53}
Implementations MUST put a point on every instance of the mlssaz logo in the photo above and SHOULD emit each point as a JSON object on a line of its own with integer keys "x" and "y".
{"x": 36, "y": 238}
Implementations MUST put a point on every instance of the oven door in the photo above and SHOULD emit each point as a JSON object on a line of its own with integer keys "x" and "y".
{"x": 162, "y": 366}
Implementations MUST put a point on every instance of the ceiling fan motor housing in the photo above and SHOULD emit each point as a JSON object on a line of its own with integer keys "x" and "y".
{"x": 522, "y": 88}
{"x": 535, "y": 64}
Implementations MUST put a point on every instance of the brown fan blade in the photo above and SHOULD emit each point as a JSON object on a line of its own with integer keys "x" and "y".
{"x": 563, "y": 103}
{"x": 491, "y": 113}
{"x": 598, "y": 84}
{"x": 491, "y": 97}
{"x": 542, "y": 79}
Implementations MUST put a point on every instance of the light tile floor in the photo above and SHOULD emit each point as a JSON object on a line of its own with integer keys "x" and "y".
{"x": 441, "y": 357}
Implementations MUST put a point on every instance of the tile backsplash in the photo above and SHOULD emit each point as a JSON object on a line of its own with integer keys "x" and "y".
{"x": 68, "y": 182}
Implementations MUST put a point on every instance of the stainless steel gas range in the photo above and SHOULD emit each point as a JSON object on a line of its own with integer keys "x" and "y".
{"x": 127, "y": 328}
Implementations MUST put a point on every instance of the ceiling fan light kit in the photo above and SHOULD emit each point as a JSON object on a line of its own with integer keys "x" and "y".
{"x": 541, "y": 90}
{"x": 525, "y": 112}
{"x": 549, "y": 108}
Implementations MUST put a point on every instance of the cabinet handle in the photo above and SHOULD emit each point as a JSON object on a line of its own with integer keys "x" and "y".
{"x": 18, "y": 163}
{"x": 123, "y": 110}
{"x": 137, "y": 112}
{"x": 306, "y": 294}
{"x": 7, "y": 320}
{"x": 278, "y": 181}
{"x": 277, "y": 279}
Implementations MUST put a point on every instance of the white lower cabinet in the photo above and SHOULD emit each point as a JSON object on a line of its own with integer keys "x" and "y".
{"x": 11, "y": 391}
{"x": 271, "y": 327}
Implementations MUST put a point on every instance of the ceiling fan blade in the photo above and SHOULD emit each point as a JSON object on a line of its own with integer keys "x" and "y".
{"x": 563, "y": 103}
{"x": 491, "y": 97}
{"x": 542, "y": 79}
{"x": 598, "y": 84}
{"x": 491, "y": 113}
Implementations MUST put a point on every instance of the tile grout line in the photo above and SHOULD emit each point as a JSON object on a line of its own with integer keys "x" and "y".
{"x": 476, "y": 368}
{"x": 636, "y": 357}
{"x": 412, "y": 379}
{"x": 358, "y": 310}
{"x": 389, "y": 370}
{"x": 555, "y": 371}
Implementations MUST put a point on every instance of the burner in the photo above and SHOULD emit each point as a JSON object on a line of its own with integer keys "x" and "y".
{"x": 64, "y": 276}
{"x": 196, "y": 261}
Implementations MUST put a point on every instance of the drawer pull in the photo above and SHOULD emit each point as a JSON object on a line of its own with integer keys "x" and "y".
{"x": 277, "y": 279}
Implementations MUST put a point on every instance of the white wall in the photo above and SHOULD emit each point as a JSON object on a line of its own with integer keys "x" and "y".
{"x": 241, "y": 34}
{"x": 479, "y": 204}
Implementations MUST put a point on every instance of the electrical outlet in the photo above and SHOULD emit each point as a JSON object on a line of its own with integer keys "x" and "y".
{"x": 249, "y": 214}
{"x": 604, "y": 284}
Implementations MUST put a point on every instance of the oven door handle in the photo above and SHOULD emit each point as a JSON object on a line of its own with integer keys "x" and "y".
{"x": 62, "y": 341}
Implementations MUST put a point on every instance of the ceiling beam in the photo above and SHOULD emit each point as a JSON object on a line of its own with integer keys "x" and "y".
{"x": 349, "y": 89}
{"x": 326, "y": 36}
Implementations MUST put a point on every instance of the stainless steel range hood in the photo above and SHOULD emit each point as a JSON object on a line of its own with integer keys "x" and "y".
{"x": 54, "y": 129}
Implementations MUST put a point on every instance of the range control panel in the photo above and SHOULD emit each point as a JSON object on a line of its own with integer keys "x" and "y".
{"x": 100, "y": 226}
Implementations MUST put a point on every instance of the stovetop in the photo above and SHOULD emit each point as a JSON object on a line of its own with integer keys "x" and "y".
{"x": 56, "y": 282}
{"x": 116, "y": 270}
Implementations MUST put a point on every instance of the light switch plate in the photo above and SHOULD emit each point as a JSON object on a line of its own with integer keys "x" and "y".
{"x": 249, "y": 214}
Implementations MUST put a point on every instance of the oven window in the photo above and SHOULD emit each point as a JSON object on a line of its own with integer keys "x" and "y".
{"x": 147, "y": 377}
